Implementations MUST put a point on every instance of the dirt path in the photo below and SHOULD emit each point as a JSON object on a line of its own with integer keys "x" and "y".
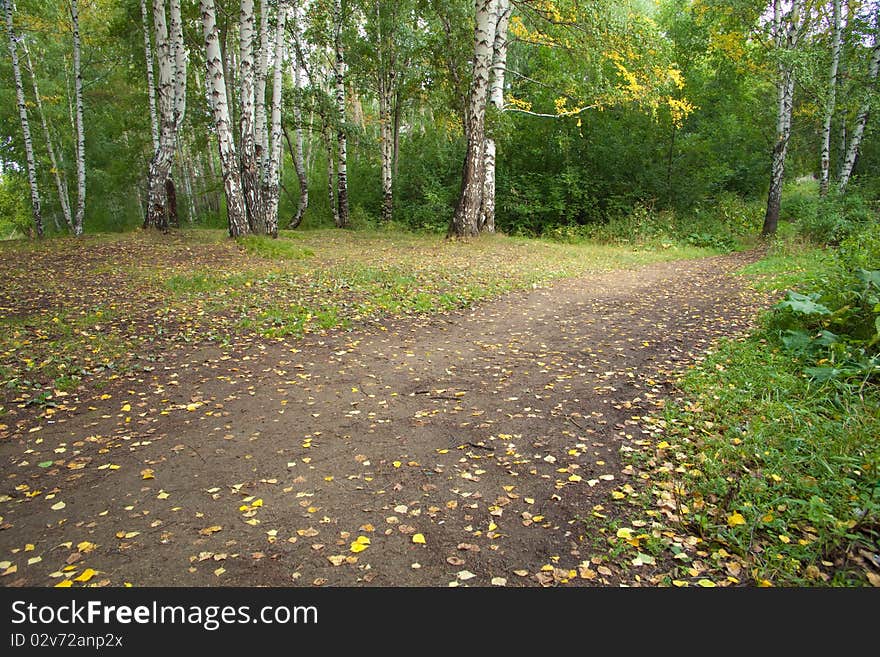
{"x": 472, "y": 448}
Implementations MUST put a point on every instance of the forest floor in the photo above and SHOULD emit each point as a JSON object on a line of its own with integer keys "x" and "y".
{"x": 478, "y": 446}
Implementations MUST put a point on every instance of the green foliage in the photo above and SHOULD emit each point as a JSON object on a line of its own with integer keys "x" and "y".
{"x": 16, "y": 218}
{"x": 282, "y": 248}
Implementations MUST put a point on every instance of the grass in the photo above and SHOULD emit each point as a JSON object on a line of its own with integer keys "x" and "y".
{"x": 766, "y": 464}
{"x": 133, "y": 293}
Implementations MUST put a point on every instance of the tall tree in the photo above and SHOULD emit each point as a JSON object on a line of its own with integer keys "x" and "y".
{"x": 151, "y": 80}
{"x": 80, "y": 126}
{"x": 466, "y": 219}
{"x": 825, "y": 156}
{"x": 858, "y": 131}
{"x": 787, "y": 29}
{"x": 342, "y": 218}
{"x": 57, "y": 172}
{"x": 23, "y": 118}
{"x": 296, "y": 147}
{"x": 172, "y": 107}
{"x": 261, "y": 130}
{"x": 235, "y": 205}
{"x": 274, "y": 169}
{"x": 496, "y": 101}
{"x": 250, "y": 176}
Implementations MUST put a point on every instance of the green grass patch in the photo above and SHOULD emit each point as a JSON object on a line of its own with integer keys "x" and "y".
{"x": 282, "y": 248}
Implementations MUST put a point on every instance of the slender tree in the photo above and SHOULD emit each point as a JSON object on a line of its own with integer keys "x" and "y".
{"x": 496, "y": 100}
{"x": 787, "y": 28}
{"x": 276, "y": 136}
{"x": 80, "y": 126}
{"x": 466, "y": 219}
{"x": 296, "y": 148}
{"x": 235, "y": 206}
{"x": 151, "y": 81}
{"x": 57, "y": 172}
{"x": 858, "y": 131}
{"x": 23, "y": 118}
{"x": 825, "y": 156}
{"x": 342, "y": 218}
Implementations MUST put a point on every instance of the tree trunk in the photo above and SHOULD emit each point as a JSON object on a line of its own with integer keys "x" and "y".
{"x": 496, "y": 99}
{"x": 250, "y": 176}
{"x": 852, "y": 152}
{"x": 342, "y": 218}
{"x": 296, "y": 152}
{"x": 465, "y": 220}
{"x": 274, "y": 173}
{"x": 80, "y": 128}
{"x": 151, "y": 83}
{"x": 825, "y": 157}
{"x": 785, "y": 38}
{"x": 57, "y": 173}
{"x": 159, "y": 204}
{"x": 25, "y": 125}
{"x": 235, "y": 205}
{"x": 386, "y": 81}
{"x": 261, "y": 129}
{"x": 331, "y": 174}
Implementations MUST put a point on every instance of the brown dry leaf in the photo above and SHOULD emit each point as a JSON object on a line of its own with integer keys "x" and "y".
{"x": 307, "y": 532}
{"x": 337, "y": 559}
{"x": 469, "y": 547}
{"x": 213, "y": 529}
{"x": 455, "y": 561}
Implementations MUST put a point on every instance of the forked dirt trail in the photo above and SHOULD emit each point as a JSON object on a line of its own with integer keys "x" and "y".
{"x": 476, "y": 447}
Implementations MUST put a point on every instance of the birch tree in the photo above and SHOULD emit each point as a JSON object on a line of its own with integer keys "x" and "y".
{"x": 858, "y": 131}
{"x": 296, "y": 147}
{"x": 151, "y": 81}
{"x": 496, "y": 101}
{"x": 172, "y": 107}
{"x": 466, "y": 219}
{"x": 342, "y": 218}
{"x": 250, "y": 176}
{"x": 274, "y": 168}
{"x": 57, "y": 172}
{"x": 787, "y": 28}
{"x": 80, "y": 128}
{"x": 825, "y": 155}
{"x": 23, "y": 118}
{"x": 235, "y": 205}
{"x": 261, "y": 131}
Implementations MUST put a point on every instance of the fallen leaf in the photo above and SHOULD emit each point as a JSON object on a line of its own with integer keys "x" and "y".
{"x": 418, "y": 538}
{"x": 58, "y": 506}
{"x": 499, "y": 581}
{"x": 337, "y": 560}
{"x": 464, "y": 575}
{"x": 213, "y": 529}
{"x": 147, "y": 473}
{"x": 85, "y": 575}
{"x": 63, "y": 584}
{"x": 735, "y": 518}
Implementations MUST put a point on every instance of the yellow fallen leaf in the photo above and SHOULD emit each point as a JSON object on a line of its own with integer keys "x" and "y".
{"x": 126, "y": 408}
{"x": 58, "y": 506}
{"x": 147, "y": 473}
{"x": 418, "y": 538}
{"x": 784, "y": 538}
{"x": 397, "y": 464}
{"x": 34, "y": 560}
{"x": 257, "y": 503}
{"x": 213, "y": 529}
{"x": 735, "y": 518}
{"x": 85, "y": 575}
{"x": 85, "y": 547}
{"x": 492, "y": 526}
{"x": 575, "y": 478}
{"x": 192, "y": 407}
{"x": 358, "y": 547}
{"x": 617, "y": 495}
{"x": 706, "y": 583}
{"x": 219, "y": 571}
{"x": 63, "y": 584}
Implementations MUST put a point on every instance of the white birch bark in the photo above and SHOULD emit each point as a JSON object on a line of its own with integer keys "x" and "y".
{"x": 57, "y": 173}
{"x": 496, "y": 100}
{"x": 163, "y": 157}
{"x": 855, "y": 141}
{"x": 297, "y": 151}
{"x": 276, "y": 136}
{"x": 342, "y": 218}
{"x": 80, "y": 128}
{"x": 261, "y": 129}
{"x": 825, "y": 156}
{"x": 250, "y": 178}
{"x": 235, "y": 205}
{"x": 465, "y": 220}
{"x": 786, "y": 34}
{"x": 25, "y": 125}
{"x": 151, "y": 82}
